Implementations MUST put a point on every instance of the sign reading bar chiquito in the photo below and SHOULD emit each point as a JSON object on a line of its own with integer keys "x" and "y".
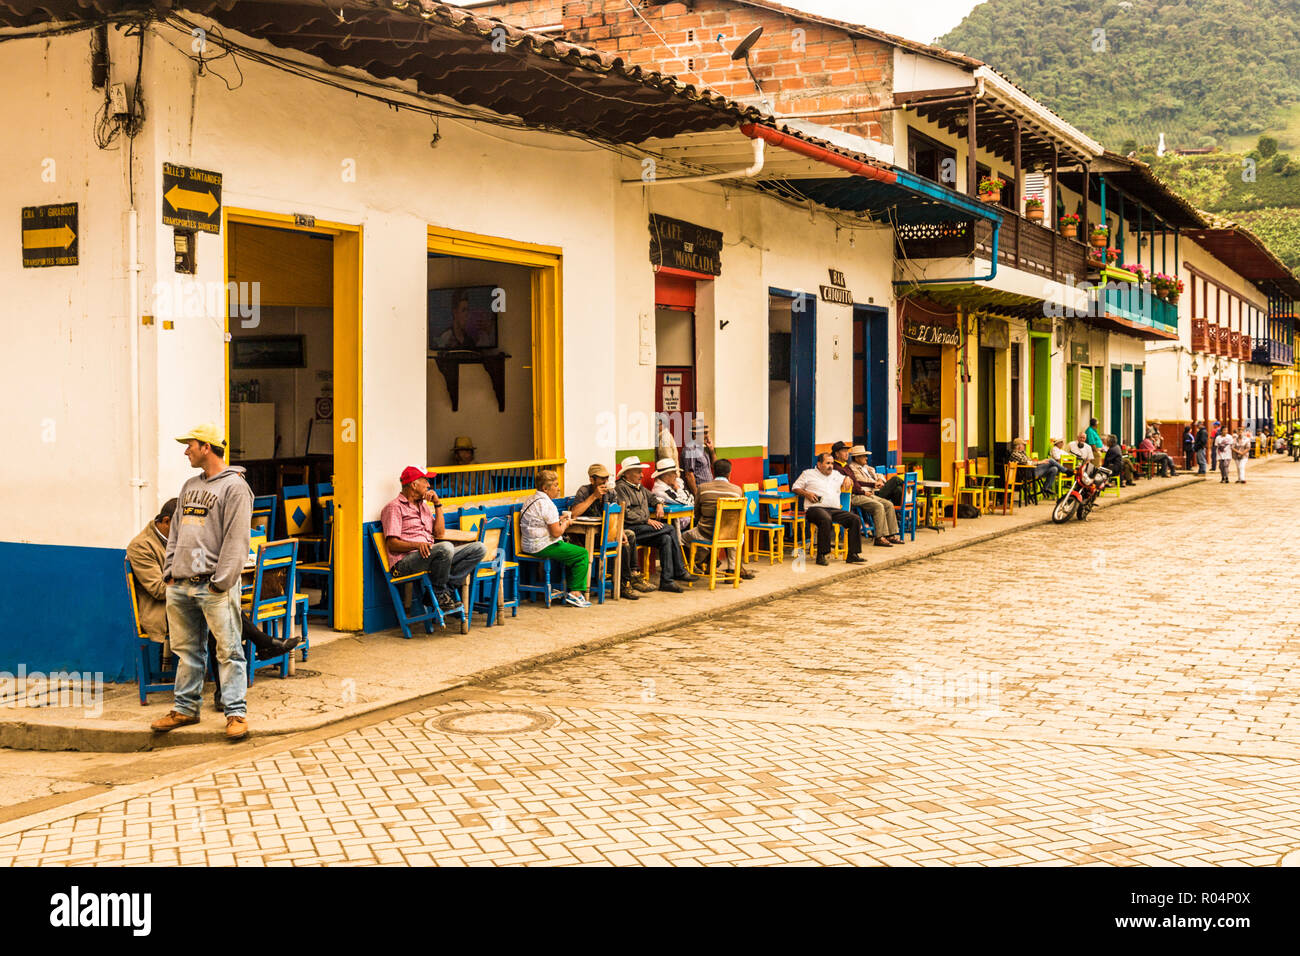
{"x": 675, "y": 244}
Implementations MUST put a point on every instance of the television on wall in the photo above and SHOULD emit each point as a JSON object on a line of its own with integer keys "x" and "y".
{"x": 465, "y": 317}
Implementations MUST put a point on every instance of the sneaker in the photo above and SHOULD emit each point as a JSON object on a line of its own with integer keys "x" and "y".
{"x": 236, "y": 728}
{"x": 447, "y": 601}
{"x": 628, "y": 593}
{"x": 642, "y": 585}
{"x": 574, "y": 599}
{"x": 173, "y": 720}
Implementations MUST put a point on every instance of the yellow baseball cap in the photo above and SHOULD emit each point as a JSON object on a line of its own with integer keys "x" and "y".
{"x": 207, "y": 432}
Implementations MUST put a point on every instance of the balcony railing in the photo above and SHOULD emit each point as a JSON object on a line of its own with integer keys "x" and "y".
{"x": 1200, "y": 335}
{"x": 1270, "y": 351}
{"x": 464, "y": 484}
{"x": 1033, "y": 248}
{"x": 1135, "y": 303}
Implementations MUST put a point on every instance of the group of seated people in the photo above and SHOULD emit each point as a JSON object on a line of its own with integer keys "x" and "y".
{"x": 1108, "y": 449}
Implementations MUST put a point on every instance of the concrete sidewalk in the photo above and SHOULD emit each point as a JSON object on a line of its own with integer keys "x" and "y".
{"x": 353, "y": 674}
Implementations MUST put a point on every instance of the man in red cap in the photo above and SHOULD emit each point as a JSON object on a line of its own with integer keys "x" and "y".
{"x": 411, "y": 530}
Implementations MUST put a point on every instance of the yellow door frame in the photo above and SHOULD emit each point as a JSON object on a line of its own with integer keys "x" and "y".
{"x": 547, "y": 318}
{"x": 347, "y": 248}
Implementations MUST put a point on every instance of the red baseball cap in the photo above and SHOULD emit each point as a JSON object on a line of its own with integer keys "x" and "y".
{"x": 410, "y": 473}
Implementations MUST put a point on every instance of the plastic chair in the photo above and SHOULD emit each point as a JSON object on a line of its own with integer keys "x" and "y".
{"x": 907, "y": 511}
{"x": 728, "y": 532}
{"x": 298, "y": 521}
{"x": 432, "y": 613}
{"x": 609, "y": 555}
{"x": 756, "y": 527}
{"x": 275, "y": 613}
{"x": 324, "y": 570}
{"x": 149, "y": 672}
{"x": 543, "y": 565}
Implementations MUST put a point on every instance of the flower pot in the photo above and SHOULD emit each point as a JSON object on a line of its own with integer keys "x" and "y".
{"x": 991, "y": 197}
{"x": 1069, "y": 230}
{"x": 1098, "y": 242}
{"x": 1034, "y": 214}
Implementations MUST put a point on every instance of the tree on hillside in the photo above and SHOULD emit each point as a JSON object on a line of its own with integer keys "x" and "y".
{"x": 1267, "y": 146}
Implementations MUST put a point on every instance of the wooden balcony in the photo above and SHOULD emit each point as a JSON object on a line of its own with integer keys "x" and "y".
{"x": 1243, "y": 349}
{"x": 1200, "y": 335}
{"x": 1234, "y": 344}
{"x": 1032, "y": 248}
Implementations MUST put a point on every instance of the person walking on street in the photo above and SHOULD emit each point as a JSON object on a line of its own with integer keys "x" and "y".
{"x": 1200, "y": 445}
{"x": 1241, "y": 454}
{"x": 1213, "y": 448}
{"x": 1189, "y": 446}
{"x": 207, "y": 546}
{"x": 1223, "y": 442}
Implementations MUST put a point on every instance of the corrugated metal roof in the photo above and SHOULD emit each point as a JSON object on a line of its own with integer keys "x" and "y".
{"x": 1245, "y": 254}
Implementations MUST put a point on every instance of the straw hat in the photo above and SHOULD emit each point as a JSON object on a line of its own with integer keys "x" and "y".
{"x": 631, "y": 462}
{"x": 664, "y": 466}
{"x": 858, "y": 450}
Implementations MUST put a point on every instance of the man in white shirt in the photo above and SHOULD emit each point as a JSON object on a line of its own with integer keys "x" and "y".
{"x": 1080, "y": 448}
{"x": 820, "y": 487}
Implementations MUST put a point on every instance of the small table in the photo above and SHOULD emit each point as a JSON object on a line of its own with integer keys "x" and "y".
{"x": 589, "y": 528}
{"x": 930, "y": 488}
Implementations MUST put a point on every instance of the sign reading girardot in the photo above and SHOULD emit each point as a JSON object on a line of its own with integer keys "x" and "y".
{"x": 50, "y": 235}
{"x": 683, "y": 245}
{"x": 928, "y": 334}
{"x": 191, "y": 198}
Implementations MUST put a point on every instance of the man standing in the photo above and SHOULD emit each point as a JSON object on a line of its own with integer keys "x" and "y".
{"x": 1189, "y": 446}
{"x": 821, "y": 487}
{"x": 883, "y": 518}
{"x": 411, "y": 531}
{"x": 206, "y": 551}
{"x": 1094, "y": 438}
{"x": 1199, "y": 447}
{"x": 650, "y": 529}
{"x": 697, "y": 458}
{"x": 1223, "y": 442}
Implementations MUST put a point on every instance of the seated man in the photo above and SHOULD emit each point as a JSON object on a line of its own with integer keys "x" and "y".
{"x": 1162, "y": 461}
{"x": 852, "y": 463}
{"x": 644, "y": 514}
{"x": 1044, "y": 471}
{"x": 146, "y": 553}
{"x": 671, "y": 489}
{"x": 411, "y": 531}
{"x": 591, "y": 500}
{"x": 820, "y": 487}
{"x": 1081, "y": 450}
{"x": 1121, "y": 468}
{"x": 706, "y": 512}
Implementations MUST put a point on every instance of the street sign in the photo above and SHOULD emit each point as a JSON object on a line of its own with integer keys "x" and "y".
{"x": 50, "y": 235}
{"x": 191, "y": 198}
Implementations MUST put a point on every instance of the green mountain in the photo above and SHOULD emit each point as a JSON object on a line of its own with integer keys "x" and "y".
{"x": 1200, "y": 71}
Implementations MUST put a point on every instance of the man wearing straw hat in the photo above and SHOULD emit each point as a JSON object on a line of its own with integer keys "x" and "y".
{"x": 643, "y": 514}
{"x": 852, "y": 463}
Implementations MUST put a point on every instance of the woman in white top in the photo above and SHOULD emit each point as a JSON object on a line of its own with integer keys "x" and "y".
{"x": 669, "y": 487}
{"x": 540, "y": 532}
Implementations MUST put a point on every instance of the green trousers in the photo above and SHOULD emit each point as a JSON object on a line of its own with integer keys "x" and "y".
{"x": 576, "y": 561}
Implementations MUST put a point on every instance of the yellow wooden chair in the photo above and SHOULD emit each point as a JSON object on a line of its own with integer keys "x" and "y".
{"x": 728, "y": 532}
{"x": 1006, "y": 495}
{"x": 965, "y": 492}
{"x": 1064, "y": 481}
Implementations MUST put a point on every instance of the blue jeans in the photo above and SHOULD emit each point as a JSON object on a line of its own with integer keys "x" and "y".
{"x": 193, "y": 611}
{"x": 446, "y": 564}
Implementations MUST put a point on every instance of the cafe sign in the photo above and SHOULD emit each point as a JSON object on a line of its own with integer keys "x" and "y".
{"x": 995, "y": 333}
{"x": 928, "y": 334}
{"x": 837, "y": 291}
{"x": 676, "y": 244}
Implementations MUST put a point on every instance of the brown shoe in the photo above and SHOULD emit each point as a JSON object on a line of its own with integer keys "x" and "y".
{"x": 236, "y": 728}
{"x": 173, "y": 720}
{"x": 746, "y": 574}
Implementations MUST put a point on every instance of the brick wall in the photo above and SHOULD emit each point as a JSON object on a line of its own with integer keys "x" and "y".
{"x": 803, "y": 67}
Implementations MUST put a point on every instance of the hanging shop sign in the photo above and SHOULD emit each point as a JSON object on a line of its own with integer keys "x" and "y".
{"x": 50, "y": 235}
{"x": 1080, "y": 354}
{"x": 928, "y": 334}
{"x": 191, "y": 198}
{"x": 995, "y": 333}
{"x": 831, "y": 293}
{"x": 676, "y": 244}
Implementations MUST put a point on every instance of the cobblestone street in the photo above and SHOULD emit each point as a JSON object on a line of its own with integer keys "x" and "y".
{"x": 1120, "y": 691}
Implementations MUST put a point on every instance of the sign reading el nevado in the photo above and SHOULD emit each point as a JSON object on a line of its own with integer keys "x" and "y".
{"x": 683, "y": 245}
{"x": 931, "y": 334}
{"x": 50, "y": 235}
{"x": 191, "y": 198}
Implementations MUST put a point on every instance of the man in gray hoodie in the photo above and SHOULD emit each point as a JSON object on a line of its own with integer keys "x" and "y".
{"x": 206, "y": 551}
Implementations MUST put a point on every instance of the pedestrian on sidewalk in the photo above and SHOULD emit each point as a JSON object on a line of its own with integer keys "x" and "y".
{"x": 1213, "y": 448}
{"x": 1241, "y": 454}
{"x": 1189, "y": 446}
{"x": 1223, "y": 442}
{"x": 1200, "y": 445}
{"x": 206, "y": 550}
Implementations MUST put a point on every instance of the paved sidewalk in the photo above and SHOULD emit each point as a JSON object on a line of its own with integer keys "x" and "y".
{"x": 349, "y": 675}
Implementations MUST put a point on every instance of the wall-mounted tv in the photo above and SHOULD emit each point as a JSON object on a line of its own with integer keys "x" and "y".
{"x": 464, "y": 318}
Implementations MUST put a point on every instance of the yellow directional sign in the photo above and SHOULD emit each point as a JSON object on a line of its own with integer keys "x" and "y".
{"x": 50, "y": 235}
{"x": 191, "y": 198}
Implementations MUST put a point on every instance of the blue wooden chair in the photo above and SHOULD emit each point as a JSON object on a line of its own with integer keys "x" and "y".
{"x": 264, "y": 515}
{"x": 756, "y": 527}
{"x": 431, "y": 614}
{"x": 542, "y": 566}
{"x": 322, "y": 571}
{"x": 275, "y": 613}
{"x": 509, "y": 567}
{"x": 490, "y": 589}
{"x": 149, "y": 672}
{"x": 607, "y": 562}
{"x": 298, "y": 520}
{"x": 907, "y": 510}
{"x": 793, "y": 519}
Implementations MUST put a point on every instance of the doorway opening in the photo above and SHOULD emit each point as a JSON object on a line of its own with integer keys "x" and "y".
{"x": 1040, "y": 392}
{"x": 676, "y": 385}
{"x": 792, "y": 369}
{"x": 871, "y": 383}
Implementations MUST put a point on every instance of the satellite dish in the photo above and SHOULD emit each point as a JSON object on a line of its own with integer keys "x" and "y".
{"x": 743, "y": 47}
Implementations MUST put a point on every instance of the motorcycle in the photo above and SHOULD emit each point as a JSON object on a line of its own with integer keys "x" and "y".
{"x": 1082, "y": 496}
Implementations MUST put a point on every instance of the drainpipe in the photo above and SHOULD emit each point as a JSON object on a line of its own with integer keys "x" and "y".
{"x": 993, "y": 268}
{"x": 748, "y": 173}
{"x": 774, "y": 137}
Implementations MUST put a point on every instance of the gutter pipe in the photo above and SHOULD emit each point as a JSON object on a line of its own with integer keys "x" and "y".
{"x": 748, "y": 173}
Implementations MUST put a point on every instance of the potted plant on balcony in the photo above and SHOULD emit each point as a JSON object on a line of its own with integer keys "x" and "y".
{"x": 1112, "y": 255}
{"x": 1098, "y": 235}
{"x": 1138, "y": 269}
{"x": 1069, "y": 225}
{"x": 1034, "y": 208}
{"x": 991, "y": 188}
